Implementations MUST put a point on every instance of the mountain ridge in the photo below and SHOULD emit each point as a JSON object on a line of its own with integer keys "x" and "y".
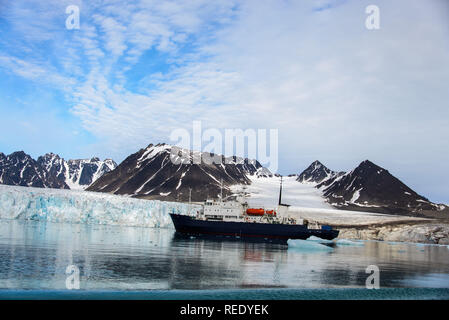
{"x": 51, "y": 171}
{"x": 167, "y": 172}
{"x": 368, "y": 187}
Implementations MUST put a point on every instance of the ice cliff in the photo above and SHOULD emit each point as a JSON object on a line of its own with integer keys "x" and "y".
{"x": 85, "y": 207}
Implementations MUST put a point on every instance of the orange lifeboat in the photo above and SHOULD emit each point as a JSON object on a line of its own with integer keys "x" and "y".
{"x": 271, "y": 212}
{"x": 255, "y": 212}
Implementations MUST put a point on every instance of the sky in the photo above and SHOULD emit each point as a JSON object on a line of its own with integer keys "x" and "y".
{"x": 135, "y": 71}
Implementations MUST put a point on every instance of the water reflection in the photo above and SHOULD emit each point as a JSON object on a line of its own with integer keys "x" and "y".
{"x": 34, "y": 255}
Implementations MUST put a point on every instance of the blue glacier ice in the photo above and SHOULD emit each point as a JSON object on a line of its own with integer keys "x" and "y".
{"x": 317, "y": 239}
{"x": 346, "y": 242}
{"x": 72, "y": 206}
{"x": 307, "y": 246}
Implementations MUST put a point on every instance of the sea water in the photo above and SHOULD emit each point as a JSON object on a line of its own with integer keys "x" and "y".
{"x": 126, "y": 262}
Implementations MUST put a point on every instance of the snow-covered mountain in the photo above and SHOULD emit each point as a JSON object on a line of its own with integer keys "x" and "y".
{"x": 20, "y": 169}
{"x": 317, "y": 173}
{"x": 372, "y": 188}
{"x": 165, "y": 172}
{"x": 51, "y": 171}
{"x": 78, "y": 173}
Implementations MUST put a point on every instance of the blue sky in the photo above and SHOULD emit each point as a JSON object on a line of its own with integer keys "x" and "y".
{"x": 137, "y": 70}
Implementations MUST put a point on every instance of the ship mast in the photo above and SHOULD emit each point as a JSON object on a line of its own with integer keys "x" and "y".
{"x": 280, "y": 193}
{"x": 221, "y": 190}
{"x": 244, "y": 193}
{"x": 190, "y": 199}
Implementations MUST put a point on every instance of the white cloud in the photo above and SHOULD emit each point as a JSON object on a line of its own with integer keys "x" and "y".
{"x": 335, "y": 90}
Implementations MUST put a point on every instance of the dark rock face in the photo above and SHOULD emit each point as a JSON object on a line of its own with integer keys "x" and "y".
{"x": 372, "y": 188}
{"x": 158, "y": 172}
{"x": 20, "y": 169}
{"x": 51, "y": 171}
{"x": 85, "y": 171}
{"x": 317, "y": 173}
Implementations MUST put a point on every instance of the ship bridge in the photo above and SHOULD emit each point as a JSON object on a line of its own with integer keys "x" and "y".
{"x": 218, "y": 210}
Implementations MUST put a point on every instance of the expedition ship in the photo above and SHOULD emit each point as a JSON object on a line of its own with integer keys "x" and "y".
{"x": 235, "y": 219}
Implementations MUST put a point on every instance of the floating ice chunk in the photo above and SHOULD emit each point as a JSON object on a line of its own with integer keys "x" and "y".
{"x": 313, "y": 238}
{"x": 307, "y": 246}
{"x": 317, "y": 239}
{"x": 346, "y": 242}
{"x": 395, "y": 243}
{"x": 418, "y": 244}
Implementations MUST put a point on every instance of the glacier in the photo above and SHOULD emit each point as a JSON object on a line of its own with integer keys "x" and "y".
{"x": 73, "y": 206}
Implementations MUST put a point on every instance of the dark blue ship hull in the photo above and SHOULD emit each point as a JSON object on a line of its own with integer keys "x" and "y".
{"x": 188, "y": 225}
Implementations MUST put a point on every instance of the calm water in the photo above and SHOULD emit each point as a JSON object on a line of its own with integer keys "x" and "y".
{"x": 34, "y": 256}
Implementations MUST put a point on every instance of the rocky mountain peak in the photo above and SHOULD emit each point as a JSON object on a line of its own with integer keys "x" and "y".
{"x": 21, "y": 155}
{"x": 316, "y": 173}
{"x": 370, "y": 187}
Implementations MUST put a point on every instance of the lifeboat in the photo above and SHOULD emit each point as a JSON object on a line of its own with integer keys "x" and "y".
{"x": 255, "y": 212}
{"x": 271, "y": 212}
